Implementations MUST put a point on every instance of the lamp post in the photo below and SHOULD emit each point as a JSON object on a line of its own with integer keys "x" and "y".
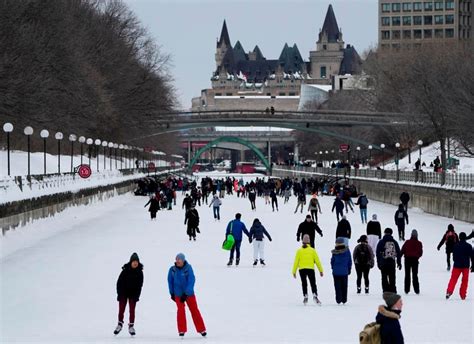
{"x": 104, "y": 144}
{"x": 358, "y": 153}
{"x": 72, "y": 138}
{"x": 397, "y": 145}
{"x": 111, "y": 145}
{"x": 121, "y": 151}
{"x": 370, "y": 154}
{"x": 97, "y": 143}
{"x": 383, "y": 156}
{"x": 44, "y": 135}
{"x": 59, "y": 136}
{"x": 116, "y": 146}
{"x": 420, "y": 143}
{"x": 28, "y": 131}
{"x": 8, "y": 128}
{"x": 89, "y": 142}
{"x": 82, "y": 139}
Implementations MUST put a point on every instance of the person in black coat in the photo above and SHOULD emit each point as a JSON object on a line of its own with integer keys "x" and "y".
{"x": 252, "y": 198}
{"x": 274, "y": 199}
{"x": 129, "y": 288}
{"x": 343, "y": 230}
{"x": 405, "y": 198}
{"x": 450, "y": 238}
{"x": 374, "y": 232}
{"x": 400, "y": 217}
{"x": 192, "y": 219}
{"x": 154, "y": 206}
{"x": 339, "y": 206}
{"x": 308, "y": 226}
{"x": 388, "y": 317}
{"x": 388, "y": 257}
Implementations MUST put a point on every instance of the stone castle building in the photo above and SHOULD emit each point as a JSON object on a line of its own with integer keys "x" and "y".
{"x": 248, "y": 80}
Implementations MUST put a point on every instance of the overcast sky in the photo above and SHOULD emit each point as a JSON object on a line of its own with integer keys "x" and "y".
{"x": 188, "y": 29}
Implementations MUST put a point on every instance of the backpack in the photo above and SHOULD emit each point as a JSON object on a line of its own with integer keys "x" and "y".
{"x": 363, "y": 256}
{"x": 230, "y": 240}
{"x": 363, "y": 201}
{"x": 390, "y": 250}
{"x": 450, "y": 238}
{"x": 313, "y": 202}
{"x": 301, "y": 198}
{"x": 370, "y": 334}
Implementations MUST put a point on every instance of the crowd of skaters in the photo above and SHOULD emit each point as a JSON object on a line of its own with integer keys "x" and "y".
{"x": 372, "y": 248}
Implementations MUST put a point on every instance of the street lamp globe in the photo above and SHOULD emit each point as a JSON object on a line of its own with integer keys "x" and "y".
{"x": 72, "y": 137}
{"x": 82, "y": 139}
{"x": 44, "y": 134}
{"x": 116, "y": 145}
{"x": 320, "y": 152}
{"x": 97, "y": 142}
{"x": 121, "y": 146}
{"x": 28, "y": 131}
{"x": 89, "y": 141}
{"x": 420, "y": 142}
{"x": 8, "y": 127}
{"x": 111, "y": 145}
{"x": 104, "y": 143}
{"x": 397, "y": 145}
{"x": 382, "y": 146}
{"x": 370, "y": 147}
{"x": 58, "y": 135}
{"x": 326, "y": 152}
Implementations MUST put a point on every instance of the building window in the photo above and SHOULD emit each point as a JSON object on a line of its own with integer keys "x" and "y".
{"x": 428, "y": 20}
{"x": 292, "y": 94}
{"x": 428, "y": 33}
{"x": 322, "y": 71}
{"x": 449, "y": 33}
{"x": 417, "y": 6}
{"x": 282, "y": 94}
{"x": 324, "y": 47}
{"x": 439, "y": 20}
{"x": 439, "y": 33}
{"x": 416, "y": 20}
{"x": 396, "y": 34}
{"x": 406, "y": 6}
{"x": 406, "y": 34}
{"x": 269, "y": 94}
{"x": 450, "y": 19}
{"x": 385, "y": 8}
{"x": 406, "y": 20}
{"x": 395, "y": 21}
{"x": 449, "y": 4}
{"x": 417, "y": 34}
{"x": 385, "y": 21}
{"x": 385, "y": 34}
{"x": 396, "y": 7}
{"x": 428, "y": 6}
{"x": 439, "y": 5}
{"x": 218, "y": 94}
{"x": 396, "y": 46}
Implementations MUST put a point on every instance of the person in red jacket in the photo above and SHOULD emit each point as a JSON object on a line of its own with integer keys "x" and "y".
{"x": 412, "y": 250}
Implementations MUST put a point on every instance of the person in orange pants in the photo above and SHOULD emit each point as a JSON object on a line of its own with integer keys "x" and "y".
{"x": 463, "y": 256}
{"x": 181, "y": 287}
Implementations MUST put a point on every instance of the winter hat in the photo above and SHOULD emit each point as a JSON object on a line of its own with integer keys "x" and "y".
{"x": 308, "y": 216}
{"x": 450, "y": 227}
{"x": 363, "y": 238}
{"x": 306, "y": 239}
{"x": 391, "y": 298}
{"x": 462, "y": 236}
{"x": 388, "y": 231}
{"x": 414, "y": 234}
{"x": 133, "y": 257}
{"x": 374, "y": 217}
{"x": 180, "y": 256}
{"x": 339, "y": 241}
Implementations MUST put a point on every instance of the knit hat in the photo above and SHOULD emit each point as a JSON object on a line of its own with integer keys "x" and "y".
{"x": 180, "y": 256}
{"x": 414, "y": 233}
{"x": 374, "y": 217}
{"x": 462, "y": 236}
{"x": 450, "y": 227}
{"x": 390, "y": 298}
{"x": 133, "y": 257}
{"x": 363, "y": 238}
{"x": 344, "y": 217}
{"x": 306, "y": 239}
{"x": 339, "y": 241}
{"x": 388, "y": 231}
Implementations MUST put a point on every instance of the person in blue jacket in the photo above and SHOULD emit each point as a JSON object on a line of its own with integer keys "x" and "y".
{"x": 388, "y": 318}
{"x": 181, "y": 287}
{"x": 341, "y": 264}
{"x": 236, "y": 227}
{"x": 339, "y": 206}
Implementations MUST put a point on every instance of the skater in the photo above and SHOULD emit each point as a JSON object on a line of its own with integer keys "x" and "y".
{"x": 362, "y": 202}
{"x": 374, "y": 232}
{"x": 405, "y": 198}
{"x": 301, "y": 202}
{"x": 154, "y": 207}
{"x": 187, "y": 202}
{"x": 346, "y": 197}
{"x": 257, "y": 233}
{"x": 313, "y": 208}
{"x": 339, "y": 206}
{"x": 216, "y": 206}
{"x": 344, "y": 230}
{"x": 192, "y": 219}
{"x": 129, "y": 288}
{"x": 412, "y": 249}
{"x": 363, "y": 261}
{"x": 387, "y": 317}
{"x": 309, "y": 227}
{"x": 236, "y": 227}
{"x": 463, "y": 257}
{"x": 341, "y": 264}
{"x": 252, "y": 198}
{"x": 305, "y": 259}
{"x": 274, "y": 199}
{"x": 287, "y": 194}
{"x": 181, "y": 287}
{"x": 450, "y": 238}
{"x": 388, "y": 257}
{"x": 400, "y": 217}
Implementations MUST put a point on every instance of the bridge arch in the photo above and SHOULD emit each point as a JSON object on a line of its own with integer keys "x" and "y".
{"x": 233, "y": 139}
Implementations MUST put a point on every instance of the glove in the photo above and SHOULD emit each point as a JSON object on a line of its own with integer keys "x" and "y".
{"x": 297, "y": 238}
{"x": 399, "y": 266}
{"x": 250, "y": 241}
{"x": 183, "y": 298}
{"x": 270, "y": 239}
{"x": 472, "y": 268}
{"x": 321, "y": 235}
{"x": 294, "y": 275}
{"x": 197, "y": 230}
{"x": 172, "y": 298}
{"x": 438, "y": 248}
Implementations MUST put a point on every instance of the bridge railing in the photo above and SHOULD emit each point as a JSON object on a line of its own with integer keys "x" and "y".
{"x": 463, "y": 181}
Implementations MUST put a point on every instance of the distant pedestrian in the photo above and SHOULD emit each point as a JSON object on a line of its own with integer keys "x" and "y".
{"x": 301, "y": 202}
{"x": 314, "y": 207}
{"x": 154, "y": 206}
{"x": 257, "y": 233}
{"x": 363, "y": 261}
{"x": 362, "y": 202}
{"x": 401, "y": 217}
{"x": 405, "y": 198}
{"x": 450, "y": 238}
{"x": 341, "y": 264}
{"x": 192, "y": 220}
{"x": 309, "y": 227}
{"x": 274, "y": 199}
{"x": 181, "y": 287}
{"x": 463, "y": 258}
{"x": 388, "y": 317}
{"x": 388, "y": 258}
{"x": 216, "y": 206}
{"x": 287, "y": 194}
{"x": 343, "y": 230}
{"x": 305, "y": 259}
{"x": 252, "y": 198}
{"x": 374, "y": 232}
{"x": 129, "y": 288}
{"x": 236, "y": 228}
{"x": 412, "y": 249}
{"x": 339, "y": 206}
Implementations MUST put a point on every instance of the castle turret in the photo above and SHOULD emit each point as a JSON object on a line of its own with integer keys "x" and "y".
{"x": 222, "y": 46}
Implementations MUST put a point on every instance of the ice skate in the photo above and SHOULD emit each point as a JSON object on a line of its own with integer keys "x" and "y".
{"x": 118, "y": 328}
{"x": 316, "y": 300}
{"x": 131, "y": 329}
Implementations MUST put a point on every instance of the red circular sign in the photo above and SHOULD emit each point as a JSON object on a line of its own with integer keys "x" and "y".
{"x": 151, "y": 167}
{"x": 84, "y": 171}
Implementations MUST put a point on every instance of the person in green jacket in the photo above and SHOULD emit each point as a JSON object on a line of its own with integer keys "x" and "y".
{"x": 305, "y": 259}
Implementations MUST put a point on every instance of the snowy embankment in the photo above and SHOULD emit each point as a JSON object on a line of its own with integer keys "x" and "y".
{"x": 62, "y": 273}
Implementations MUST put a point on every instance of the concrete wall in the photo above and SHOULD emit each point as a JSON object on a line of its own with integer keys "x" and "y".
{"x": 443, "y": 202}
